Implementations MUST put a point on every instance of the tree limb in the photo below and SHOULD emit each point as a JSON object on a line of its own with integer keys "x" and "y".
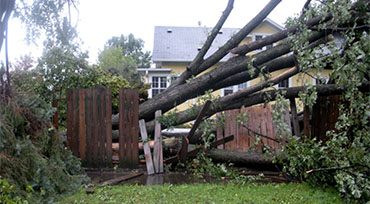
{"x": 199, "y": 59}
{"x": 233, "y": 42}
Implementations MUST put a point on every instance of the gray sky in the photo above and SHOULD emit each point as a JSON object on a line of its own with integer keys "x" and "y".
{"x": 100, "y": 20}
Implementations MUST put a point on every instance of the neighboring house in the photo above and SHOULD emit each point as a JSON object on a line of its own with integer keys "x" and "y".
{"x": 175, "y": 48}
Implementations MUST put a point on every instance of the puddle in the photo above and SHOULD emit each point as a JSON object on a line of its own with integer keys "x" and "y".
{"x": 99, "y": 176}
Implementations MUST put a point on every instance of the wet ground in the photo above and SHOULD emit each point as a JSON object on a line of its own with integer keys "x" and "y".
{"x": 100, "y": 175}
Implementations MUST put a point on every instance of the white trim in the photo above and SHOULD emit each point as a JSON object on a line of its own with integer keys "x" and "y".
{"x": 235, "y": 88}
{"x": 279, "y": 27}
{"x": 154, "y": 69}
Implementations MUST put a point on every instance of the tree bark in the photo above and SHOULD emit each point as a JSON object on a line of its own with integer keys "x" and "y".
{"x": 250, "y": 159}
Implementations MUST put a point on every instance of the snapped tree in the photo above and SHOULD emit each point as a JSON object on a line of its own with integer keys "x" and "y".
{"x": 328, "y": 34}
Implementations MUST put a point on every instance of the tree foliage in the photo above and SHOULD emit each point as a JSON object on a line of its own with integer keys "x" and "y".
{"x": 132, "y": 47}
{"x": 343, "y": 161}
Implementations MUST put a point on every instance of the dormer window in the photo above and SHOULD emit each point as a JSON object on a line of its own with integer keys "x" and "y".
{"x": 199, "y": 48}
{"x": 220, "y": 32}
{"x": 169, "y": 30}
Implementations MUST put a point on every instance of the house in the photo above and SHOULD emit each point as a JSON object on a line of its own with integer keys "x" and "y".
{"x": 175, "y": 48}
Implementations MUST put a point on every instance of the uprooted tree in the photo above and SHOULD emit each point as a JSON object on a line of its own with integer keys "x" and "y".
{"x": 328, "y": 34}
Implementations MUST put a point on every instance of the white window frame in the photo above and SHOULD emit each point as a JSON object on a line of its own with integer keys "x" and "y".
{"x": 168, "y": 81}
{"x": 159, "y": 83}
{"x": 235, "y": 88}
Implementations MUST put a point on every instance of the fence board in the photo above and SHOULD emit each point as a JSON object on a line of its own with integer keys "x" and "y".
{"x": 89, "y": 127}
{"x": 82, "y": 128}
{"x": 122, "y": 145}
{"x": 75, "y": 147}
{"x": 158, "y": 150}
{"x": 134, "y": 109}
{"x": 69, "y": 118}
{"x": 148, "y": 154}
{"x": 95, "y": 127}
{"x": 102, "y": 125}
{"x": 108, "y": 118}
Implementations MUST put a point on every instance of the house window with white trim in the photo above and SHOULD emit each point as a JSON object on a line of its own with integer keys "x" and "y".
{"x": 259, "y": 37}
{"x": 284, "y": 84}
{"x": 228, "y": 90}
{"x": 159, "y": 84}
{"x": 232, "y": 89}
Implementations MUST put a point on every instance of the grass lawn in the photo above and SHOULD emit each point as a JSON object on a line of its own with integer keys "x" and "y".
{"x": 207, "y": 193}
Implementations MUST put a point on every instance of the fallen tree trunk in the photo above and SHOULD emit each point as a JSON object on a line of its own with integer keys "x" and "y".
{"x": 229, "y": 102}
{"x": 250, "y": 159}
{"x": 194, "y": 140}
{"x": 170, "y": 143}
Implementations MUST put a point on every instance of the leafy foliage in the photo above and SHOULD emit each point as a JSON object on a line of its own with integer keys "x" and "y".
{"x": 32, "y": 154}
{"x": 342, "y": 161}
{"x": 133, "y": 47}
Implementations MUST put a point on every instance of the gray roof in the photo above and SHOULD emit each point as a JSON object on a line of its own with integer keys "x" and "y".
{"x": 181, "y": 44}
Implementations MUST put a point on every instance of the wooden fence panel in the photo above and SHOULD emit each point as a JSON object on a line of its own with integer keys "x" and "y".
{"x": 89, "y": 126}
{"x": 324, "y": 116}
{"x": 258, "y": 119}
{"x": 129, "y": 127}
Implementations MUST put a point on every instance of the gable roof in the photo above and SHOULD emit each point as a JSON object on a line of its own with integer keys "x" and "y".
{"x": 181, "y": 44}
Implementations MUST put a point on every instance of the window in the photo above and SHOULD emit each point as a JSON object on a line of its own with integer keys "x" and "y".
{"x": 321, "y": 80}
{"x": 228, "y": 90}
{"x": 159, "y": 84}
{"x": 258, "y": 37}
{"x": 284, "y": 84}
{"x": 232, "y": 89}
{"x": 243, "y": 86}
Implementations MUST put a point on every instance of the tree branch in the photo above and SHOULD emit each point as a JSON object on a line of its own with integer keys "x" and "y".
{"x": 336, "y": 168}
{"x": 233, "y": 42}
{"x": 199, "y": 59}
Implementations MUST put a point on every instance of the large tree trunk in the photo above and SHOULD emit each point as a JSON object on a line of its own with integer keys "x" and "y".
{"x": 235, "y": 101}
{"x": 250, "y": 159}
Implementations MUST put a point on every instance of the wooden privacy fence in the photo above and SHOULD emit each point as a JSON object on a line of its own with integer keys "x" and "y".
{"x": 324, "y": 115}
{"x": 258, "y": 120}
{"x": 89, "y": 126}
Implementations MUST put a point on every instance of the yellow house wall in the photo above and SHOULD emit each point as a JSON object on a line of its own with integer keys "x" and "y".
{"x": 264, "y": 29}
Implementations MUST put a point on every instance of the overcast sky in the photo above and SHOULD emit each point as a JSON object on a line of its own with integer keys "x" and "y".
{"x": 99, "y": 20}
